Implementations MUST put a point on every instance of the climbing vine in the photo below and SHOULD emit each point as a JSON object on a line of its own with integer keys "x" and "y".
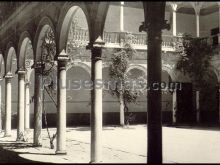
{"x": 195, "y": 55}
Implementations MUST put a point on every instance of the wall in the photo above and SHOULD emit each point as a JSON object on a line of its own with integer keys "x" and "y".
{"x": 209, "y": 22}
{"x": 133, "y": 17}
{"x": 186, "y": 23}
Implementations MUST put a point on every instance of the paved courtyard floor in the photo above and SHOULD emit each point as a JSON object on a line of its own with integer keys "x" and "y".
{"x": 122, "y": 145}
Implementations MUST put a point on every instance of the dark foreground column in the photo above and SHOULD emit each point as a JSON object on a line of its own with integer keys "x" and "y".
{"x": 174, "y": 107}
{"x": 154, "y": 22}
{"x": 219, "y": 98}
{"x": 1, "y": 104}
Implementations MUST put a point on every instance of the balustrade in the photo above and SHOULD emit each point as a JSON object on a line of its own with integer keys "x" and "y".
{"x": 119, "y": 38}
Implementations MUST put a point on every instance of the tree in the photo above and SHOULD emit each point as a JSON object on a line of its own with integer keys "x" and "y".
{"x": 124, "y": 86}
{"x": 48, "y": 52}
{"x": 195, "y": 56}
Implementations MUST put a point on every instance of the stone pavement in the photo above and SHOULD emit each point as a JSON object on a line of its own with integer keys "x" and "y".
{"x": 121, "y": 145}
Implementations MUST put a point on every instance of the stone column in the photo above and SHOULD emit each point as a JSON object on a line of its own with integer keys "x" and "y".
{"x": 61, "y": 98}
{"x": 219, "y": 22}
{"x": 8, "y": 78}
{"x": 197, "y": 7}
{"x": 174, "y": 7}
{"x": 0, "y": 104}
{"x": 219, "y": 102}
{"x": 21, "y": 104}
{"x": 197, "y": 108}
{"x": 197, "y": 25}
{"x": 122, "y": 112}
{"x": 27, "y": 106}
{"x": 37, "y": 105}
{"x": 96, "y": 107}
{"x": 154, "y": 22}
{"x": 122, "y": 17}
{"x": 174, "y": 108}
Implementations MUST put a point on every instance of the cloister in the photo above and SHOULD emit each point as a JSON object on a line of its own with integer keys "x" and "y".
{"x": 99, "y": 27}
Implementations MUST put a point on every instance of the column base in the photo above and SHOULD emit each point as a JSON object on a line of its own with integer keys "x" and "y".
{"x": 95, "y": 162}
{"x": 61, "y": 152}
{"x": 7, "y": 135}
{"x": 37, "y": 145}
{"x": 20, "y": 140}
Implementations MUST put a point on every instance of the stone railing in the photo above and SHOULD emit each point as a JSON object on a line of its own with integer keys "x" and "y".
{"x": 117, "y": 39}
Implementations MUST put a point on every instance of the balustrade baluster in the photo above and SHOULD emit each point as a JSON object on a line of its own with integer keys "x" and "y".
{"x": 110, "y": 38}
{"x": 79, "y": 36}
{"x": 115, "y": 37}
{"x": 76, "y": 35}
{"x": 82, "y": 36}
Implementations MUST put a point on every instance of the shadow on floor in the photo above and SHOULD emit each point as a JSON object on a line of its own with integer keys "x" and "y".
{"x": 8, "y": 156}
{"x": 204, "y": 127}
{"x": 16, "y": 145}
{"x": 110, "y": 127}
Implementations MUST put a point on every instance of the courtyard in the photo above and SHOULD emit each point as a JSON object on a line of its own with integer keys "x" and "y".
{"x": 121, "y": 145}
{"x": 48, "y": 51}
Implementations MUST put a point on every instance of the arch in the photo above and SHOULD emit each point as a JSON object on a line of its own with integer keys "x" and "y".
{"x": 22, "y": 47}
{"x": 86, "y": 67}
{"x": 213, "y": 76}
{"x": 67, "y": 12}
{"x": 216, "y": 72}
{"x": 10, "y": 51}
{"x": 138, "y": 66}
{"x": 44, "y": 24}
{"x": 165, "y": 76}
{"x": 105, "y": 71}
{"x": 144, "y": 69}
{"x": 209, "y": 99}
{"x": 102, "y": 10}
{"x": 105, "y": 65}
{"x": 169, "y": 71}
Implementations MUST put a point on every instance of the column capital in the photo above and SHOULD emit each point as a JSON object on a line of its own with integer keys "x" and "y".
{"x": 158, "y": 22}
{"x": 195, "y": 90}
{"x": 27, "y": 83}
{"x": 21, "y": 71}
{"x": 62, "y": 60}
{"x": 197, "y": 7}
{"x": 21, "y": 74}
{"x": 97, "y": 44}
{"x": 63, "y": 56}
{"x": 8, "y": 75}
{"x": 174, "y": 6}
{"x": 38, "y": 66}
